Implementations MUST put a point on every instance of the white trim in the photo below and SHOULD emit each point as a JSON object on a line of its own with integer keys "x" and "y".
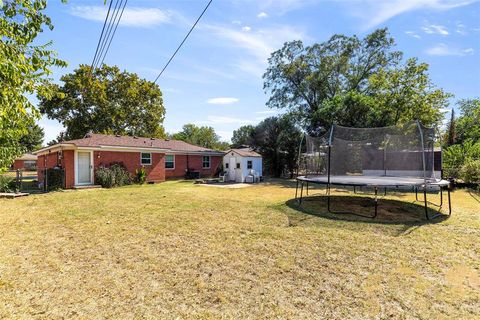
{"x": 173, "y": 161}
{"x": 141, "y": 158}
{"x": 54, "y": 148}
{"x": 209, "y": 161}
{"x": 75, "y": 167}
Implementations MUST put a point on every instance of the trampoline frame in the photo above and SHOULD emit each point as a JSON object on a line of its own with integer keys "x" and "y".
{"x": 329, "y": 184}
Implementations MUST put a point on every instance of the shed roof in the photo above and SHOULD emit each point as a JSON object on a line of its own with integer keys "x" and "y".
{"x": 245, "y": 152}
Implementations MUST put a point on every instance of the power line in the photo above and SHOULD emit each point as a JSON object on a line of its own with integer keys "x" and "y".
{"x": 114, "y": 30}
{"x": 101, "y": 35}
{"x": 184, "y": 39}
{"x": 108, "y": 32}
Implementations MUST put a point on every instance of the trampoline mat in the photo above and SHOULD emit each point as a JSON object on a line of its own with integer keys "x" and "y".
{"x": 372, "y": 181}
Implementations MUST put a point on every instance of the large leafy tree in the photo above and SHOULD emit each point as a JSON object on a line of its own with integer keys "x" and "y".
{"x": 33, "y": 139}
{"x": 451, "y": 135}
{"x": 106, "y": 100}
{"x": 277, "y": 139}
{"x": 243, "y": 136}
{"x": 200, "y": 136}
{"x": 468, "y": 123}
{"x": 351, "y": 81}
{"x": 24, "y": 69}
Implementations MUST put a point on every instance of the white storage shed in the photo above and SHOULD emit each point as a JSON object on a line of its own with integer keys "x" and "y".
{"x": 242, "y": 165}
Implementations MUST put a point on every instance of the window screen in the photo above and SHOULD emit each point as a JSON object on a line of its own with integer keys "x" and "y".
{"x": 169, "y": 161}
{"x": 206, "y": 162}
{"x": 146, "y": 158}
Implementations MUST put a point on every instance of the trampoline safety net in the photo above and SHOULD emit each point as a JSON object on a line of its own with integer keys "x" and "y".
{"x": 396, "y": 151}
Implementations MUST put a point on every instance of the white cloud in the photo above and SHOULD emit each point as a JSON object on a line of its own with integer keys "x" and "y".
{"x": 413, "y": 34}
{"x": 218, "y": 120}
{"x": 246, "y": 28}
{"x": 262, "y": 15}
{"x": 435, "y": 29}
{"x": 443, "y": 50}
{"x": 225, "y": 135}
{"x": 461, "y": 29}
{"x": 132, "y": 16}
{"x": 222, "y": 100}
{"x": 257, "y": 45}
{"x": 375, "y": 12}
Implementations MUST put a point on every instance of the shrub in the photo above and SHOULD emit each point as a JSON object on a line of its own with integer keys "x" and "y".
{"x": 54, "y": 179}
{"x": 454, "y": 157}
{"x": 470, "y": 172}
{"x": 7, "y": 184}
{"x": 141, "y": 175}
{"x": 113, "y": 176}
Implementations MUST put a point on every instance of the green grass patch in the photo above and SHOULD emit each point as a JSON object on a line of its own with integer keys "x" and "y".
{"x": 179, "y": 250}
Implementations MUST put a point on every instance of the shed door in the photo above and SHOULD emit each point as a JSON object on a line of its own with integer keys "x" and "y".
{"x": 84, "y": 168}
{"x": 232, "y": 164}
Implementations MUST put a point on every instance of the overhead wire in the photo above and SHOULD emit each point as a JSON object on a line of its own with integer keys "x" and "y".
{"x": 114, "y": 30}
{"x": 101, "y": 35}
{"x": 108, "y": 32}
{"x": 183, "y": 41}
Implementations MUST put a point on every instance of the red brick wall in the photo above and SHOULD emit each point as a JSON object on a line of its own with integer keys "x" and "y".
{"x": 156, "y": 172}
{"x": 194, "y": 164}
{"x": 68, "y": 164}
{"x": 47, "y": 161}
{"x": 18, "y": 164}
{"x": 131, "y": 161}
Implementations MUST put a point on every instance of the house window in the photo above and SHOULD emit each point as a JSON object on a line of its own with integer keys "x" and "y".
{"x": 249, "y": 164}
{"x": 226, "y": 165}
{"x": 169, "y": 161}
{"x": 206, "y": 162}
{"x": 145, "y": 159}
{"x": 238, "y": 165}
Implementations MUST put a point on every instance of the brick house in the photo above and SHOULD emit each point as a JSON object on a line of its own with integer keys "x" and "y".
{"x": 162, "y": 159}
{"x": 27, "y": 161}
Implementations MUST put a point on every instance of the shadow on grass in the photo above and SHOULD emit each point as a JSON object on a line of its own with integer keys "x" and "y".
{"x": 405, "y": 216}
{"x": 474, "y": 195}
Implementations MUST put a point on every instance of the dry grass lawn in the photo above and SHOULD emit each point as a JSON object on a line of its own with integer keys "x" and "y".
{"x": 177, "y": 250}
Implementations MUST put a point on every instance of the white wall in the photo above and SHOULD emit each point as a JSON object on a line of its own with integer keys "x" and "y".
{"x": 256, "y": 165}
{"x": 241, "y": 173}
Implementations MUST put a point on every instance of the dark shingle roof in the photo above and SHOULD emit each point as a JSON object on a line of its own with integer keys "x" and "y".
{"x": 97, "y": 140}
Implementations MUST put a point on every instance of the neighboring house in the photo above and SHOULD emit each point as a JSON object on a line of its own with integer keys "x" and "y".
{"x": 27, "y": 161}
{"x": 241, "y": 163}
{"x": 161, "y": 158}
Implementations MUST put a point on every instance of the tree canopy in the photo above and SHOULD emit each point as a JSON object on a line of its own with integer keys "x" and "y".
{"x": 352, "y": 82}
{"x": 468, "y": 123}
{"x": 277, "y": 140}
{"x": 243, "y": 136}
{"x": 105, "y": 100}
{"x": 200, "y": 136}
{"x": 33, "y": 139}
{"x": 24, "y": 70}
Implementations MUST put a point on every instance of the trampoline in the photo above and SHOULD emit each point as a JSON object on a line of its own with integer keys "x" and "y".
{"x": 388, "y": 157}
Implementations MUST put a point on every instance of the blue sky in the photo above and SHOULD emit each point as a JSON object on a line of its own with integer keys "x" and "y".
{"x": 215, "y": 79}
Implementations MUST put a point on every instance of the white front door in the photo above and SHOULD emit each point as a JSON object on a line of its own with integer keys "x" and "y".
{"x": 84, "y": 168}
{"x": 232, "y": 164}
